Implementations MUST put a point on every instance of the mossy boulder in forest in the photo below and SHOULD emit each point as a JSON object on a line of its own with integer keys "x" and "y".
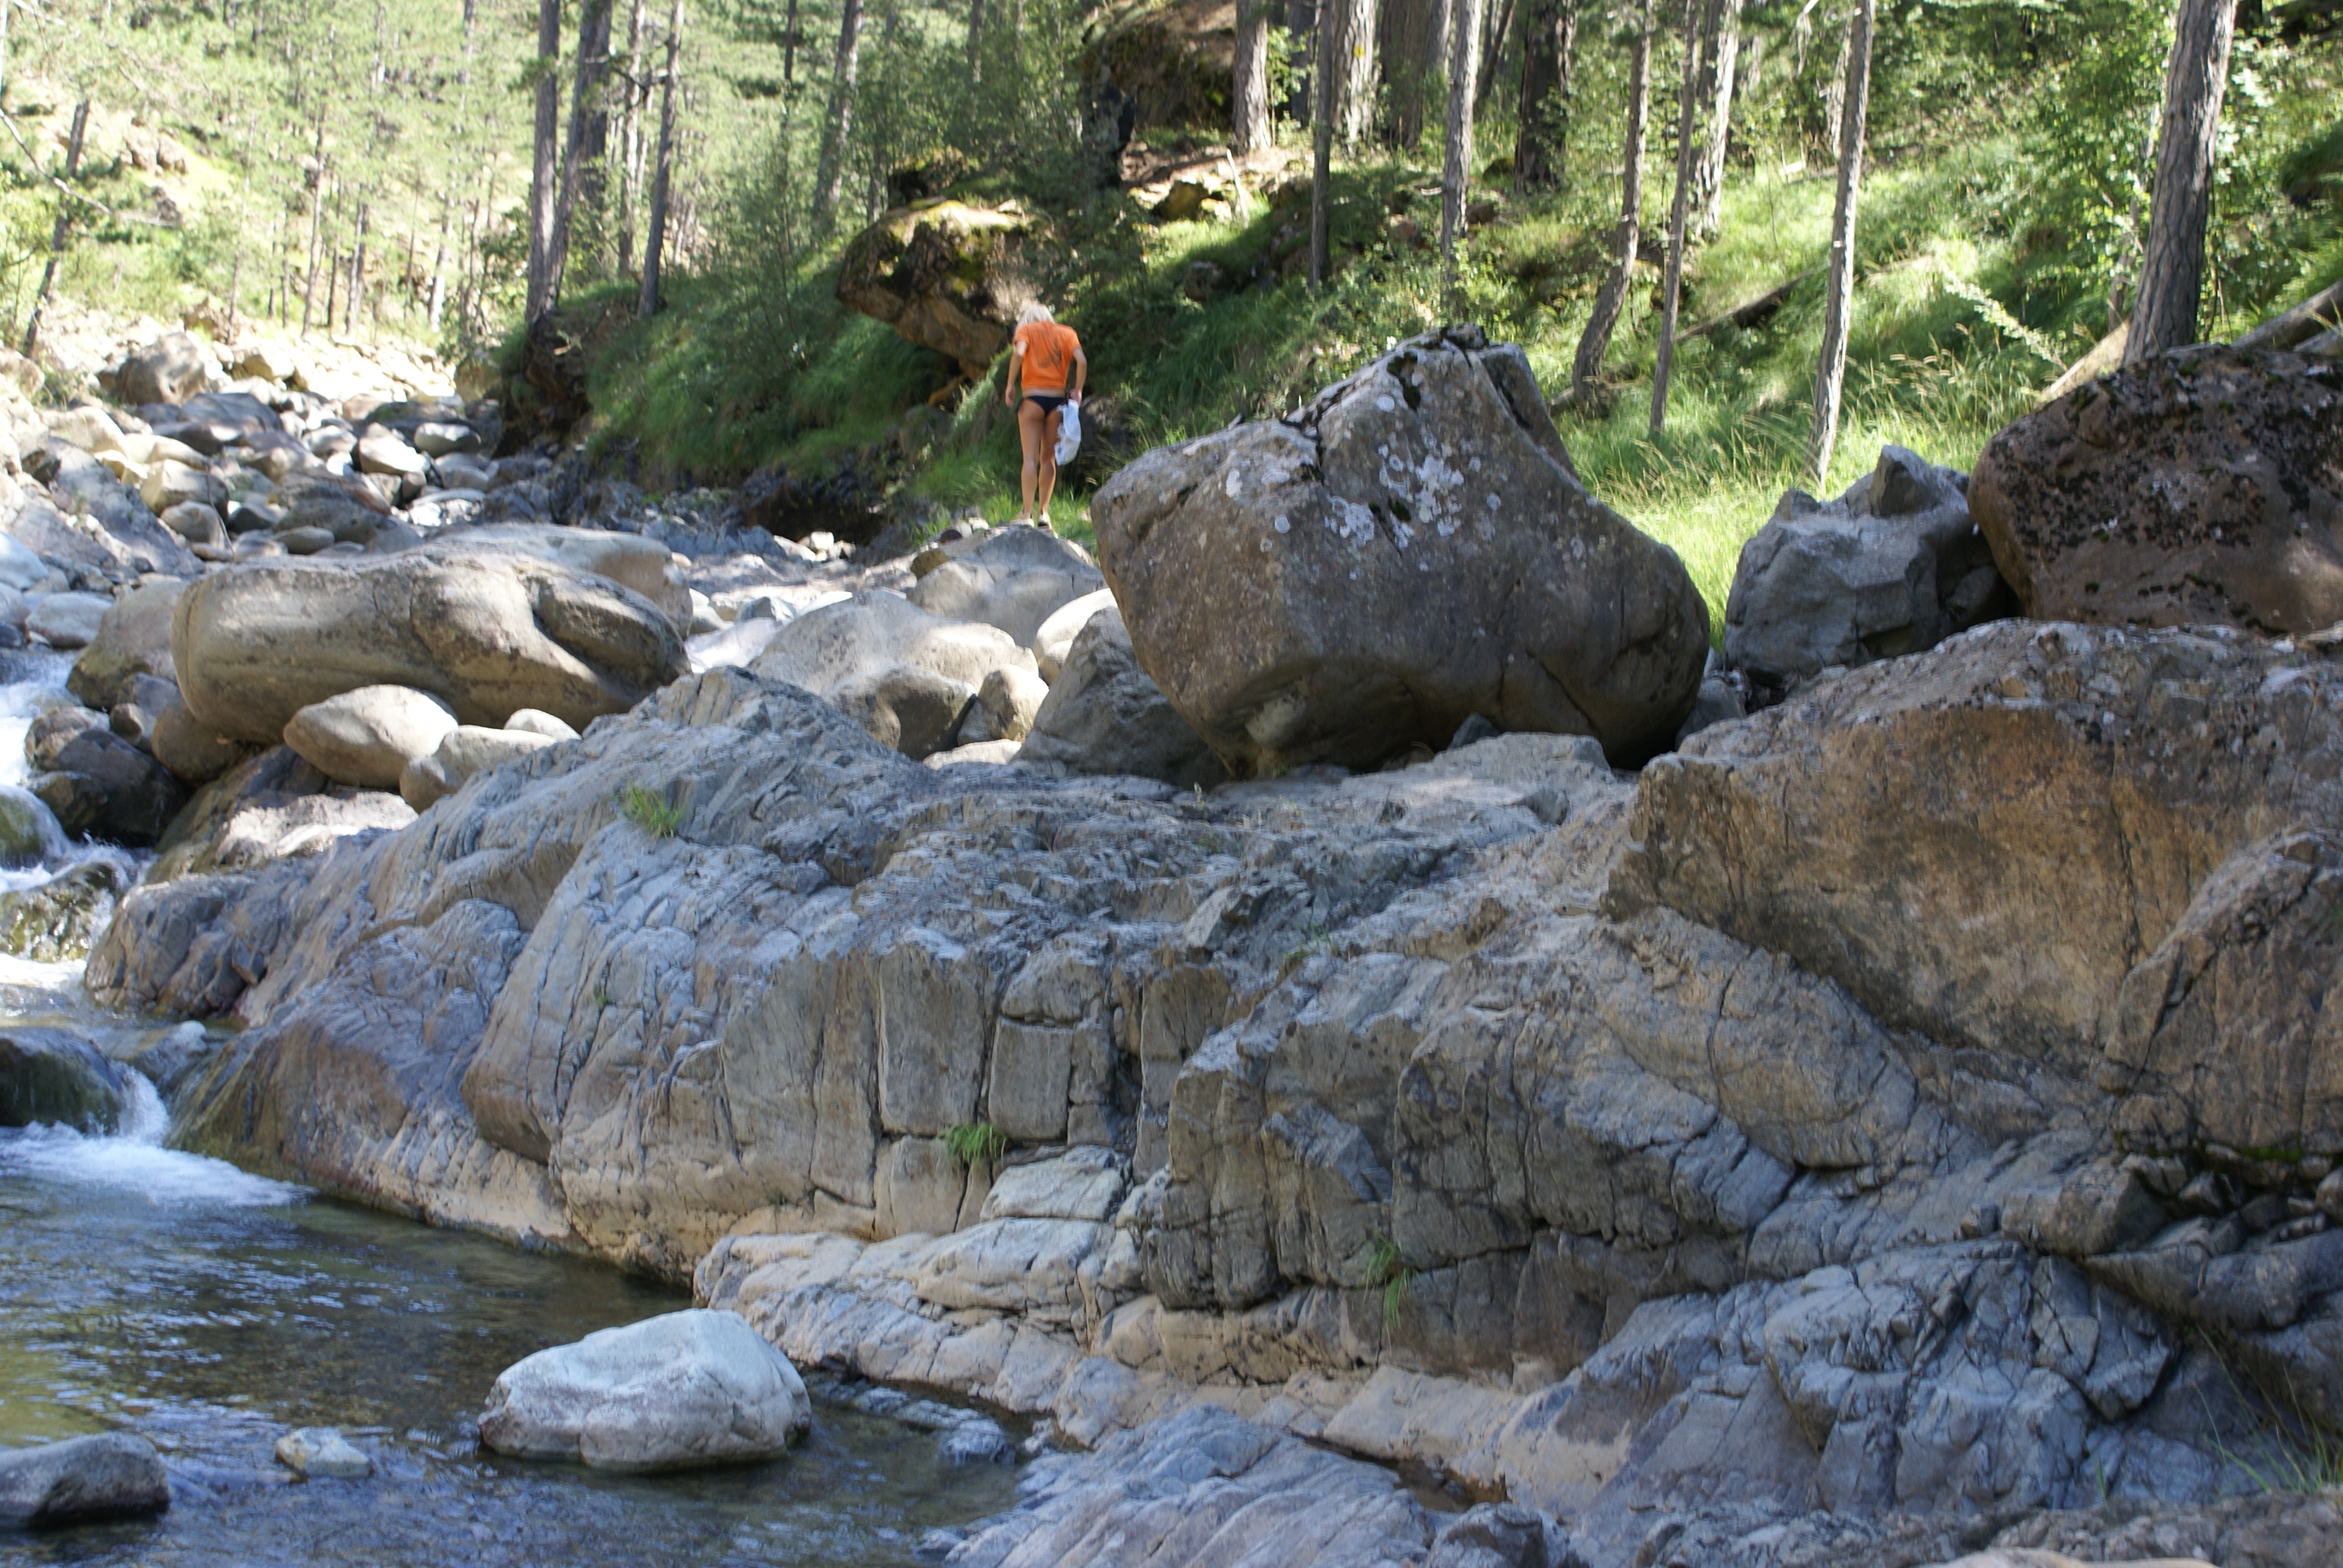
{"x": 945, "y": 275}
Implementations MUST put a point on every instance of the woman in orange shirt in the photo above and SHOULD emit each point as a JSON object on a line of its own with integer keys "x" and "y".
{"x": 1040, "y": 356}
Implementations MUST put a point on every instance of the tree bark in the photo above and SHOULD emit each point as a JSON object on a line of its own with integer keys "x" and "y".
{"x": 63, "y": 229}
{"x": 1498, "y": 22}
{"x": 1249, "y": 119}
{"x": 1597, "y": 342}
{"x": 655, "y": 230}
{"x": 1301, "y": 22}
{"x": 2172, "y": 265}
{"x": 1727, "y": 56}
{"x": 1322, "y": 153}
{"x": 975, "y": 39}
{"x": 829, "y": 173}
{"x": 1456, "y": 167}
{"x": 1354, "y": 66}
{"x": 357, "y": 276}
{"x": 1838, "y": 297}
{"x": 631, "y": 138}
{"x": 1413, "y": 42}
{"x": 579, "y": 151}
{"x": 316, "y": 228}
{"x": 1835, "y": 97}
{"x": 1699, "y": 16}
{"x": 1548, "y": 45}
{"x": 541, "y": 192}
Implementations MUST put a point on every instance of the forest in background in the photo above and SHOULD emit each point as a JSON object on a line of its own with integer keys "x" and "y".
{"x": 367, "y": 170}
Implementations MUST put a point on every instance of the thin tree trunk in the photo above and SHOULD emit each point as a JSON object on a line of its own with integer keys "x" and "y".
{"x": 1412, "y": 37}
{"x": 438, "y": 257}
{"x": 789, "y": 45}
{"x": 1597, "y": 342}
{"x": 317, "y": 229}
{"x": 1698, "y": 16}
{"x": 1322, "y": 153}
{"x": 333, "y": 289}
{"x": 593, "y": 58}
{"x": 829, "y": 174}
{"x": 1549, "y": 43}
{"x": 1834, "y": 98}
{"x": 975, "y": 39}
{"x": 2172, "y": 266}
{"x": 1498, "y": 22}
{"x": 1248, "y": 101}
{"x": 655, "y": 231}
{"x": 357, "y": 276}
{"x": 63, "y": 229}
{"x": 1727, "y": 56}
{"x": 1456, "y": 167}
{"x": 1302, "y": 18}
{"x": 541, "y": 192}
{"x": 4, "y": 51}
{"x": 630, "y": 151}
{"x": 1838, "y": 297}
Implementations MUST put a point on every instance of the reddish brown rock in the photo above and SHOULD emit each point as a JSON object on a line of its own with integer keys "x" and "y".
{"x": 2204, "y": 485}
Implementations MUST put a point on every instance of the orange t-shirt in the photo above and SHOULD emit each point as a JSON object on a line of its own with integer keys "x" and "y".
{"x": 1050, "y": 351}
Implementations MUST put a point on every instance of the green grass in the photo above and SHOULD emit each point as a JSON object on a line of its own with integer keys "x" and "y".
{"x": 1388, "y": 1271}
{"x": 975, "y": 1143}
{"x": 651, "y": 811}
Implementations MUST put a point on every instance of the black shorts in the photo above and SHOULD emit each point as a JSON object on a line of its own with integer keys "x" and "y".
{"x": 1050, "y": 401}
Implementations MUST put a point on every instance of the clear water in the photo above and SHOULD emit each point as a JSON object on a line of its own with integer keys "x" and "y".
{"x": 212, "y": 1311}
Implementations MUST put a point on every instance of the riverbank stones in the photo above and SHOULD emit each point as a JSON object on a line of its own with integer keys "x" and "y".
{"x": 114, "y": 1475}
{"x": 320, "y": 1452}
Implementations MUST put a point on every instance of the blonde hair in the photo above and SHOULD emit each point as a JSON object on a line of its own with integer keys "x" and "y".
{"x": 1036, "y": 311}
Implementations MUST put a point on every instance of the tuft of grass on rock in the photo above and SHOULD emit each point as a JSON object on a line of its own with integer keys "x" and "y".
{"x": 975, "y": 1143}
{"x": 651, "y": 811}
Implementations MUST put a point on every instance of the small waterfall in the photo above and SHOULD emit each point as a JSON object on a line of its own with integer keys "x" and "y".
{"x": 132, "y": 1159}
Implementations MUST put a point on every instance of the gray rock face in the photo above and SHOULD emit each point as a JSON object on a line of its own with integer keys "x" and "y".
{"x": 1103, "y": 715}
{"x": 1015, "y": 579}
{"x": 1408, "y": 551}
{"x": 101, "y": 784}
{"x": 114, "y": 1475}
{"x": 905, "y": 676}
{"x": 487, "y": 633}
{"x": 132, "y": 639}
{"x": 1890, "y": 568}
{"x": 1003, "y": 708}
{"x": 272, "y": 806}
{"x": 47, "y": 1075}
{"x": 673, "y": 1393}
{"x": 1765, "y": 1143}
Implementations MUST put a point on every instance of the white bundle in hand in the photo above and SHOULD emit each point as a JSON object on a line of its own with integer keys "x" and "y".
{"x": 1070, "y": 432}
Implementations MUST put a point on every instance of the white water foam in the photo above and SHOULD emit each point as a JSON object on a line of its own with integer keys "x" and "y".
{"x": 133, "y": 1160}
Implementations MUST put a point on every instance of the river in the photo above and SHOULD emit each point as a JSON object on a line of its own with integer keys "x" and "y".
{"x": 146, "y": 1288}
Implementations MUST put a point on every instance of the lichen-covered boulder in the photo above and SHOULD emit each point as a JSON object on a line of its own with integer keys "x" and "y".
{"x": 1410, "y": 549}
{"x": 943, "y": 275}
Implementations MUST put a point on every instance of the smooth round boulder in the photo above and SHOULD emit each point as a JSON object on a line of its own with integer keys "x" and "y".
{"x": 113, "y": 1475}
{"x": 467, "y": 749}
{"x": 368, "y": 736}
{"x": 1003, "y": 707}
{"x": 1056, "y": 638}
{"x": 488, "y": 633}
{"x": 171, "y": 369}
{"x": 529, "y": 721}
{"x": 904, "y": 707}
{"x": 29, "y": 833}
{"x": 1014, "y": 578}
{"x": 188, "y": 749}
{"x": 134, "y": 638}
{"x": 675, "y": 1393}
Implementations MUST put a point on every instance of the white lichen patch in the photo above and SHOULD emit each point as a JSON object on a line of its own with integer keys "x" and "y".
{"x": 1235, "y": 486}
{"x": 1353, "y": 523}
{"x": 1281, "y": 525}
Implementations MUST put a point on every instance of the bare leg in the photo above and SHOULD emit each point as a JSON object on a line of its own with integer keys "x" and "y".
{"x": 1029, "y": 431}
{"x": 1049, "y": 462}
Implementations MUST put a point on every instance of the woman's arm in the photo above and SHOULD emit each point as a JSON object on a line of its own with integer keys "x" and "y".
{"x": 1008, "y": 378}
{"x": 1082, "y": 371}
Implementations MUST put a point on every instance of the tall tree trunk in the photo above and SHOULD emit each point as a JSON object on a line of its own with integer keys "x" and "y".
{"x": 976, "y": 38}
{"x": 439, "y": 258}
{"x": 1549, "y": 43}
{"x": 2172, "y": 266}
{"x": 1456, "y": 167}
{"x": 357, "y": 276}
{"x": 1597, "y": 342}
{"x": 541, "y": 192}
{"x": 829, "y": 174}
{"x": 1699, "y": 15}
{"x": 655, "y": 230}
{"x": 1353, "y": 65}
{"x": 1498, "y": 22}
{"x": 1835, "y": 97}
{"x": 1727, "y": 56}
{"x": 3, "y": 52}
{"x": 630, "y": 142}
{"x": 1249, "y": 102}
{"x": 317, "y": 229}
{"x": 1414, "y": 40}
{"x": 1838, "y": 294}
{"x": 1321, "y": 150}
{"x": 579, "y": 152}
{"x": 1301, "y": 22}
{"x": 63, "y": 229}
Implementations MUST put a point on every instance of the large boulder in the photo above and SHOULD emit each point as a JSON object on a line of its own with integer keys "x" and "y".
{"x": 67, "y": 620}
{"x": 134, "y": 638}
{"x": 366, "y": 737}
{"x": 171, "y": 369}
{"x": 1408, "y": 551}
{"x": 1104, "y": 715}
{"x": 464, "y": 750}
{"x": 1015, "y": 579}
{"x": 674, "y": 1392}
{"x": 99, "y": 783}
{"x": 631, "y": 560}
{"x": 49, "y": 1076}
{"x": 348, "y": 510}
{"x": 845, "y": 653}
{"x": 1891, "y": 567}
{"x": 2203, "y": 486}
{"x": 113, "y": 1475}
{"x": 945, "y": 275}
{"x": 487, "y": 633}
{"x": 1056, "y": 638}
{"x": 274, "y": 805}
